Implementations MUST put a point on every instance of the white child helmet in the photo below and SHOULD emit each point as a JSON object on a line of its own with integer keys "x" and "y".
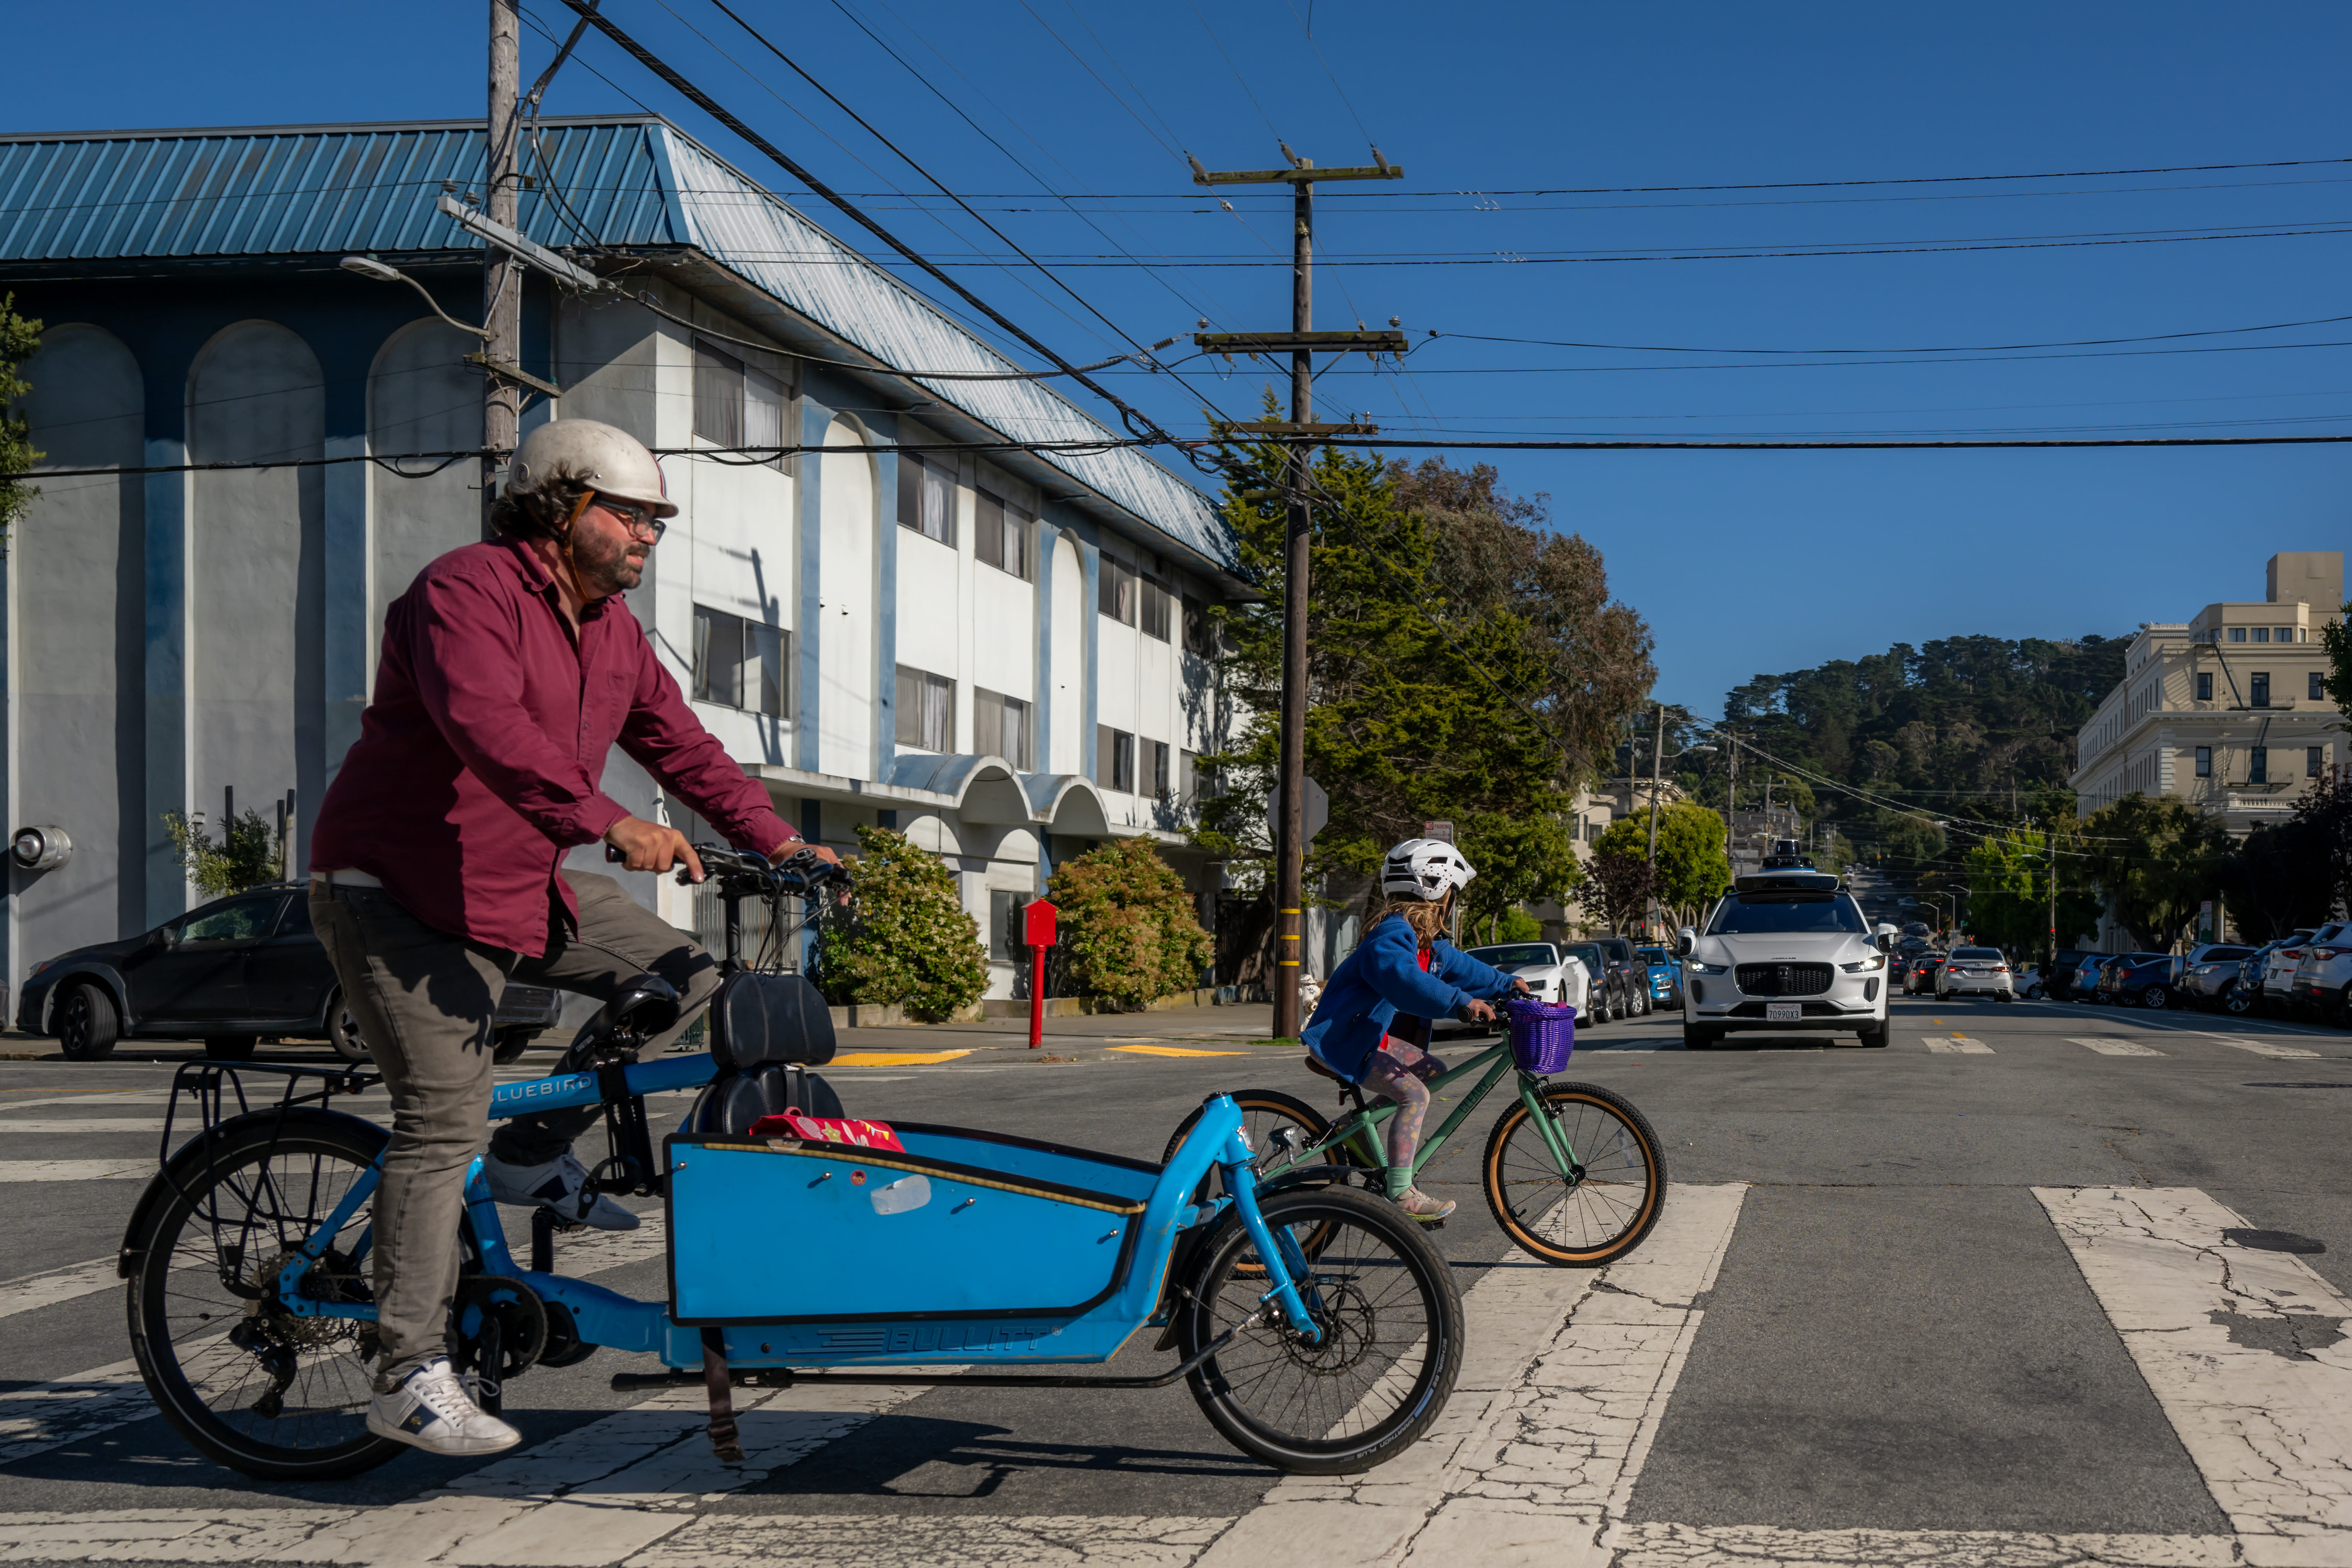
{"x": 1424, "y": 869}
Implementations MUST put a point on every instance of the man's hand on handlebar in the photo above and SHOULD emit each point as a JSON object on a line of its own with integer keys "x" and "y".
{"x": 650, "y": 847}
{"x": 792, "y": 847}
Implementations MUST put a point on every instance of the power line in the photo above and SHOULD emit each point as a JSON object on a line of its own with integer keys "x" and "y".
{"x": 1851, "y": 364}
{"x": 1890, "y": 446}
{"x": 1933, "y": 349}
{"x": 1218, "y": 45}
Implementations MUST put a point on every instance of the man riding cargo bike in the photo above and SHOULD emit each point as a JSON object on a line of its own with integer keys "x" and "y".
{"x": 510, "y": 670}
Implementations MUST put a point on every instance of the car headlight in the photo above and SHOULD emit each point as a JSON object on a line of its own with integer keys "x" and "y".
{"x": 1876, "y": 961}
{"x": 1697, "y": 967}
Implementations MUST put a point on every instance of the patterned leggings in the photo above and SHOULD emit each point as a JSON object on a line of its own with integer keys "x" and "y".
{"x": 1399, "y": 1073}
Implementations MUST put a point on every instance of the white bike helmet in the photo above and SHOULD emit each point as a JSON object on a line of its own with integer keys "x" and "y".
{"x": 1424, "y": 869}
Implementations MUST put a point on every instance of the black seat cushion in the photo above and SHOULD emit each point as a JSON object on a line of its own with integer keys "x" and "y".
{"x": 759, "y": 1020}
{"x": 733, "y": 1103}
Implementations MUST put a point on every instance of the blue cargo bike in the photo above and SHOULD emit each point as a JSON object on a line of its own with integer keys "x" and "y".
{"x": 1316, "y": 1328}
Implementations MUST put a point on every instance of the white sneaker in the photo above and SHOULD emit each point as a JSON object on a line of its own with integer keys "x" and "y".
{"x": 559, "y": 1185}
{"x": 431, "y": 1410}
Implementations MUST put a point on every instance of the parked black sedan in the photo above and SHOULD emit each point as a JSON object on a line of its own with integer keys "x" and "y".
{"x": 229, "y": 973}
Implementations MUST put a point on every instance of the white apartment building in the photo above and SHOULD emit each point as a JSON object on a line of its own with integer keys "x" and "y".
{"x": 921, "y": 621}
{"x": 2226, "y": 709}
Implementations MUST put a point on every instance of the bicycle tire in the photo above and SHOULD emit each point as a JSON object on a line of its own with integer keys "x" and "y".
{"x": 327, "y": 1411}
{"x": 1357, "y": 1361}
{"x": 1525, "y": 1190}
{"x": 1264, "y": 1110}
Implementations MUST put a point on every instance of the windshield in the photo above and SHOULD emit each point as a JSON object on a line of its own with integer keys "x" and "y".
{"x": 1586, "y": 954}
{"x": 1654, "y": 955}
{"x": 1516, "y": 955}
{"x": 1765, "y": 914}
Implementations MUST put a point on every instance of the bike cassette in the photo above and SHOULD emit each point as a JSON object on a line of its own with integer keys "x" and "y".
{"x": 488, "y": 1301}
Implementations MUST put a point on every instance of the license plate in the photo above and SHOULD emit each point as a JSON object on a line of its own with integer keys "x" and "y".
{"x": 1783, "y": 1011}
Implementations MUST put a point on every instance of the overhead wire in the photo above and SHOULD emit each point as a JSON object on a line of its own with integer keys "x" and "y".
{"x": 1931, "y": 349}
{"x": 1218, "y": 44}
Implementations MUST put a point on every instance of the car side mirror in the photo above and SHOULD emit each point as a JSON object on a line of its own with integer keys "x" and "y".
{"x": 1685, "y": 939}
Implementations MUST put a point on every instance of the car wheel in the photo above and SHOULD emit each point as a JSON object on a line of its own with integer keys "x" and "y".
{"x": 2156, "y": 997}
{"x": 2236, "y": 1002}
{"x": 87, "y": 1025}
{"x": 509, "y": 1045}
{"x": 1697, "y": 1039}
{"x": 343, "y": 1031}
{"x": 1878, "y": 1035}
{"x": 230, "y": 1048}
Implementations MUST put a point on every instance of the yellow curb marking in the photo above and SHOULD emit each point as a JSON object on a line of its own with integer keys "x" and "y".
{"x": 1174, "y": 1051}
{"x": 893, "y": 1058}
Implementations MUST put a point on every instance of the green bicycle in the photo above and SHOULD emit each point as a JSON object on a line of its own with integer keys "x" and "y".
{"x": 1573, "y": 1171}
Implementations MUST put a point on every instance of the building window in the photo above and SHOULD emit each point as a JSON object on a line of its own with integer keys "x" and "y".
{"x": 1157, "y": 602}
{"x": 1160, "y": 780}
{"x": 2261, "y": 634}
{"x": 1199, "y": 631}
{"x": 2204, "y": 762}
{"x": 2204, "y": 686}
{"x": 927, "y": 498}
{"x": 2286, "y": 633}
{"x": 1004, "y": 910}
{"x": 1001, "y": 533}
{"x": 2315, "y": 761}
{"x": 1188, "y": 779}
{"x": 2316, "y": 686}
{"x": 2237, "y": 634}
{"x": 2258, "y": 687}
{"x": 1001, "y": 725}
{"x": 1116, "y": 593}
{"x": 737, "y": 406}
{"x": 926, "y": 710}
{"x": 1114, "y": 759}
{"x": 2258, "y": 770}
{"x": 739, "y": 663}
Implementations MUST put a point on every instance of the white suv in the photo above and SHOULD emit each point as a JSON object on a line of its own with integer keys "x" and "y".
{"x": 2323, "y": 976}
{"x": 1981, "y": 971}
{"x": 1786, "y": 950}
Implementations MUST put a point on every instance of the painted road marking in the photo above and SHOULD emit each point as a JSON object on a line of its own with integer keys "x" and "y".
{"x": 2243, "y": 1350}
{"x": 1174, "y": 1051}
{"x": 76, "y": 1170}
{"x": 2109, "y": 1046}
{"x": 87, "y": 1124}
{"x": 893, "y": 1058}
{"x": 2266, "y": 1048}
{"x": 33, "y": 1291}
{"x": 1959, "y": 1043}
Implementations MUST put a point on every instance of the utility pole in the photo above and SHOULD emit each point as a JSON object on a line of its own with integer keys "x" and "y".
{"x": 2050, "y": 844}
{"x": 1303, "y": 343}
{"x": 501, "y": 273}
{"x": 1657, "y": 760}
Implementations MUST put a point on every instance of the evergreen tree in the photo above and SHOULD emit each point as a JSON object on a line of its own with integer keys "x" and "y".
{"x": 18, "y": 338}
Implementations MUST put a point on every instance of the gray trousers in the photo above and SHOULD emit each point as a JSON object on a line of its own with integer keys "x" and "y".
{"x": 424, "y": 999}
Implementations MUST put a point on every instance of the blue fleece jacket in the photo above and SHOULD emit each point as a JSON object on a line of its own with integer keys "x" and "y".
{"x": 1382, "y": 978}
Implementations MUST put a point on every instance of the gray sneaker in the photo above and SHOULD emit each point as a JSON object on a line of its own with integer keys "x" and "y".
{"x": 559, "y": 1185}
{"x": 1423, "y": 1207}
{"x": 431, "y": 1410}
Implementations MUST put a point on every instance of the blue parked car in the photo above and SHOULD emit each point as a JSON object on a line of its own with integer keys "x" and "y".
{"x": 2141, "y": 979}
{"x": 1666, "y": 976}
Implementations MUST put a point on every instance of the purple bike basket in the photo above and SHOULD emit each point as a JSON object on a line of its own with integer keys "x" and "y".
{"x": 1542, "y": 1034}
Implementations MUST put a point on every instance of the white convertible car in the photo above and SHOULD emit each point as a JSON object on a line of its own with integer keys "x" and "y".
{"x": 1553, "y": 975}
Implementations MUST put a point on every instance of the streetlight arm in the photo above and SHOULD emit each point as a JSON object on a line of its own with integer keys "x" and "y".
{"x": 369, "y": 266}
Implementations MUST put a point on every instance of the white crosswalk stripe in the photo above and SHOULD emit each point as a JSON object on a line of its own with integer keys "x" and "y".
{"x": 1959, "y": 1044}
{"x": 2266, "y": 1048}
{"x": 138, "y": 1170}
{"x": 2108, "y": 1045}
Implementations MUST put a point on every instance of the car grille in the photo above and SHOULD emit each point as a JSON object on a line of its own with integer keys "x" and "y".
{"x": 1783, "y": 979}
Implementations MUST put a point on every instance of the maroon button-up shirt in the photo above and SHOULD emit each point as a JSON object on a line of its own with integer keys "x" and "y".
{"x": 479, "y": 760}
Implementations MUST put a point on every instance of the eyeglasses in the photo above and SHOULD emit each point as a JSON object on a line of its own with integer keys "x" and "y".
{"x": 637, "y": 520}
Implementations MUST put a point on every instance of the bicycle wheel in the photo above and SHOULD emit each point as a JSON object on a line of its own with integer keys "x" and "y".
{"x": 1265, "y": 1113}
{"x": 1390, "y": 1345}
{"x": 1602, "y": 1215}
{"x": 262, "y": 1391}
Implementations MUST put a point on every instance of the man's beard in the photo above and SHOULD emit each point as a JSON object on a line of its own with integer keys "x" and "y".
{"x": 605, "y": 567}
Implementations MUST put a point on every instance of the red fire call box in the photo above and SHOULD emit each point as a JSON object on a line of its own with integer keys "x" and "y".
{"x": 1037, "y": 918}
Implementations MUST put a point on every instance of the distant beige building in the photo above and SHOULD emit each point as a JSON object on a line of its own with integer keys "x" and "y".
{"x": 2225, "y": 710}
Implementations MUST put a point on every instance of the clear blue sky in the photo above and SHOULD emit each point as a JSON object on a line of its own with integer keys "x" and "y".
{"x": 1743, "y": 563}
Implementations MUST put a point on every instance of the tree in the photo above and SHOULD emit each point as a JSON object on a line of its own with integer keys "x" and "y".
{"x": 1432, "y": 692}
{"x": 1127, "y": 924}
{"x": 249, "y": 854}
{"x": 2009, "y": 888}
{"x": 1692, "y": 871}
{"x": 1520, "y": 860}
{"x": 18, "y": 338}
{"x": 2336, "y": 638}
{"x": 2157, "y": 857}
{"x": 2289, "y": 875}
{"x": 1616, "y": 888}
{"x": 907, "y": 938}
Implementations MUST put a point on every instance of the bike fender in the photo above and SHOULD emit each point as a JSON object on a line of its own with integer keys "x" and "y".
{"x": 187, "y": 1162}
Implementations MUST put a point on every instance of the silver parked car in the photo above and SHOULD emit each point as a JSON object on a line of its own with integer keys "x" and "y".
{"x": 2279, "y": 967}
{"x": 2212, "y": 973}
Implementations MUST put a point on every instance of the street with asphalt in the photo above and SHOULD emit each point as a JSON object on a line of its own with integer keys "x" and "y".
{"x": 2037, "y": 1284}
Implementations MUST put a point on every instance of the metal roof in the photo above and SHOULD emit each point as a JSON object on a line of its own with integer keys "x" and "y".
{"x": 613, "y": 180}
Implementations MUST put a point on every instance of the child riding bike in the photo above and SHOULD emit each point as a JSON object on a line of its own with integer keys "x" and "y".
{"x": 1372, "y": 1019}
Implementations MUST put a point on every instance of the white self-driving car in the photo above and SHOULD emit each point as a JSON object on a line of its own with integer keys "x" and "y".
{"x": 1787, "y": 949}
{"x": 1552, "y": 975}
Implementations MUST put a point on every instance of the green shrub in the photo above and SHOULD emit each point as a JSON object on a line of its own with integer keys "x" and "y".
{"x": 908, "y": 939}
{"x": 249, "y": 854}
{"x": 1128, "y": 925}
